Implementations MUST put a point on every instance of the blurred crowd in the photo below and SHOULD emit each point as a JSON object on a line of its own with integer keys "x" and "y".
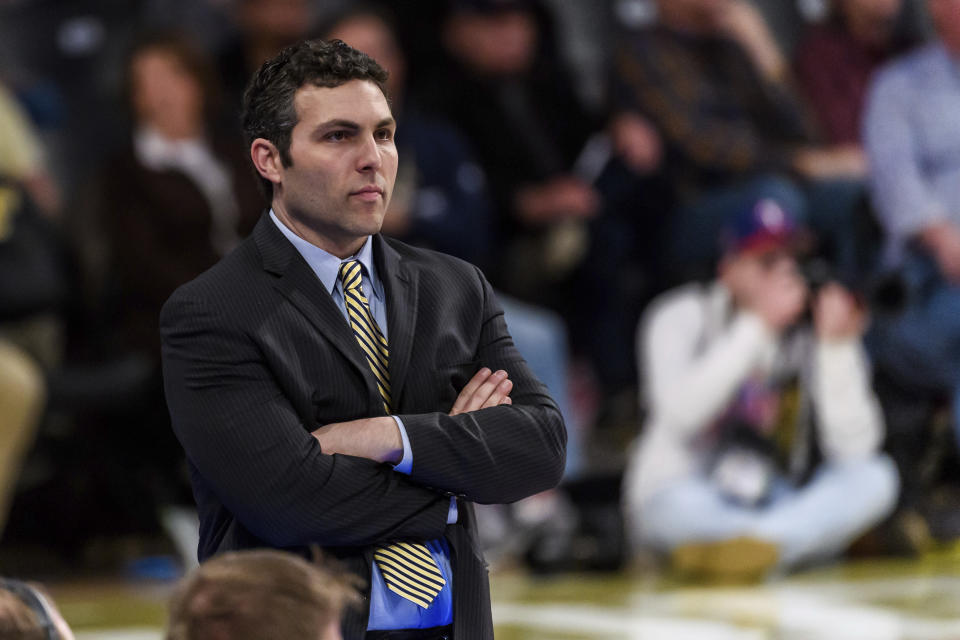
{"x": 725, "y": 230}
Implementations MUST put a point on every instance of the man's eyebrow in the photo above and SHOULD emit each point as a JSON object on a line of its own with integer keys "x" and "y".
{"x": 338, "y": 123}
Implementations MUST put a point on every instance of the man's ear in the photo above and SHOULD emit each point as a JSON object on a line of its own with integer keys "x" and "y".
{"x": 266, "y": 159}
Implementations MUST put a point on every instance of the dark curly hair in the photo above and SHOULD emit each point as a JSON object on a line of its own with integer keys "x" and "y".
{"x": 268, "y": 110}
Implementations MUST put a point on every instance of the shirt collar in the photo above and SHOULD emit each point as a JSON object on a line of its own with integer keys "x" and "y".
{"x": 157, "y": 152}
{"x": 326, "y": 265}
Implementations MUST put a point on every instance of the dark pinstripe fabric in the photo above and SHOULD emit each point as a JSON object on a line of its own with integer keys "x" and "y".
{"x": 256, "y": 355}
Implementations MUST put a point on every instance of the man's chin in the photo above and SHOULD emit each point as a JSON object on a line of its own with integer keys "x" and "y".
{"x": 371, "y": 229}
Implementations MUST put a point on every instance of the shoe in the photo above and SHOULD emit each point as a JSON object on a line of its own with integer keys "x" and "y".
{"x": 734, "y": 560}
{"x": 906, "y": 533}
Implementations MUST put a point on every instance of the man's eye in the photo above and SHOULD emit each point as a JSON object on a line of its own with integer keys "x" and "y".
{"x": 337, "y": 135}
{"x": 385, "y": 134}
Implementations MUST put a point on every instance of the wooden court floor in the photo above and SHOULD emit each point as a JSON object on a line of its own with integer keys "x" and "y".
{"x": 868, "y": 600}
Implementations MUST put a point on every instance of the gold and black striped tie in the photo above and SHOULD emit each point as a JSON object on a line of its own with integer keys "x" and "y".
{"x": 408, "y": 569}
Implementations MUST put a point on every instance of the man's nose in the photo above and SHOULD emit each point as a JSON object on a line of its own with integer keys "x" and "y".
{"x": 369, "y": 157}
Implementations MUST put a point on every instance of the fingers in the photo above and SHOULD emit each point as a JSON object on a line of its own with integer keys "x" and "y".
{"x": 500, "y": 392}
{"x": 459, "y": 406}
{"x": 485, "y": 389}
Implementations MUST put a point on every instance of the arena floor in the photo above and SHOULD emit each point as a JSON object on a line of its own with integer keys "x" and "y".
{"x": 868, "y": 600}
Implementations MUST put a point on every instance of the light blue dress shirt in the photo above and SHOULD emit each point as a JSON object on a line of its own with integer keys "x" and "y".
{"x": 387, "y": 609}
{"x": 911, "y": 131}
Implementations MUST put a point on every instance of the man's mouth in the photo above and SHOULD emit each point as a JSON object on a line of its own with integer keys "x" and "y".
{"x": 371, "y": 193}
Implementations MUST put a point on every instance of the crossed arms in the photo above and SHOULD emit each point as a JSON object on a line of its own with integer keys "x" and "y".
{"x": 379, "y": 438}
{"x": 253, "y": 455}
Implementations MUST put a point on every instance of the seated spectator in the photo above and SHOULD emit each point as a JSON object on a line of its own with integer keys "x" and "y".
{"x": 179, "y": 195}
{"x": 836, "y": 60}
{"x": 22, "y": 163}
{"x": 561, "y": 190}
{"x": 712, "y": 78}
{"x": 506, "y": 88}
{"x": 32, "y": 291}
{"x": 263, "y": 28}
{"x": 912, "y": 138}
{"x": 27, "y": 613}
{"x": 176, "y": 198}
{"x": 739, "y": 392}
{"x": 32, "y": 281}
{"x": 260, "y": 595}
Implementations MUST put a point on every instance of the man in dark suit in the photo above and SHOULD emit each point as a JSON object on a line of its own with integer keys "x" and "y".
{"x": 337, "y": 389}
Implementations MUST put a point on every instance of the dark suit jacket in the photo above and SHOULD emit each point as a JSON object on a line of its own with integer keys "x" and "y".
{"x": 256, "y": 355}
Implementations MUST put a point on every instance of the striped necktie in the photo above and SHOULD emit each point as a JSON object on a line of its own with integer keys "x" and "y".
{"x": 408, "y": 569}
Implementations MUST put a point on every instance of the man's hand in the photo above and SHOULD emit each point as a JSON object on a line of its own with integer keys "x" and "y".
{"x": 943, "y": 242}
{"x": 743, "y": 22}
{"x": 844, "y": 162}
{"x": 485, "y": 389}
{"x": 836, "y": 314}
{"x": 379, "y": 439}
{"x": 560, "y": 198}
{"x": 376, "y": 439}
{"x": 637, "y": 142}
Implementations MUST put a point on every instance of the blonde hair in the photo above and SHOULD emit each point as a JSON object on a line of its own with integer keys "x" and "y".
{"x": 259, "y": 595}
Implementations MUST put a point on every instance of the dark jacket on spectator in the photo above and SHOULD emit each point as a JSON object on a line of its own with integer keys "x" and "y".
{"x": 721, "y": 121}
{"x": 157, "y": 226}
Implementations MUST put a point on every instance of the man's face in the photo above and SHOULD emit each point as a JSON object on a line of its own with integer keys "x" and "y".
{"x": 337, "y": 189}
{"x": 871, "y": 21}
{"x": 370, "y": 34}
{"x": 871, "y": 9}
{"x": 165, "y": 96}
{"x": 946, "y": 19}
{"x": 276, "y": 20}
{"x": 744, "y": 272}
{"x": 504, "y": 42}
{"x": 695, "y": 15}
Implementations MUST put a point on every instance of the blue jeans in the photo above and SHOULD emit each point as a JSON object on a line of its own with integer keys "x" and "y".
{"x": 828, "y": 207}
{"x": 920, "y": 346}
{"x": 541, "y": 338}
{"x": 815, "y": 522}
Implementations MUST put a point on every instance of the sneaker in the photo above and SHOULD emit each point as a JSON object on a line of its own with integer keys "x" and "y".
{"x": 733, "y": 560}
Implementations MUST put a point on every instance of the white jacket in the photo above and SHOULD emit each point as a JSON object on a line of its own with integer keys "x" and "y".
{"x": 695, "y": 351}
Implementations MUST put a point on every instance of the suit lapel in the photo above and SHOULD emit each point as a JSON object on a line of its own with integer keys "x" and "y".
{"x": 399, "y": 280}
{"x": 299, "y": 284}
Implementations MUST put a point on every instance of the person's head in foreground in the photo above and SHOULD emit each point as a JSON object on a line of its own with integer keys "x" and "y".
{"x": 260, "y": 595}
{"x": 27, "y": 613}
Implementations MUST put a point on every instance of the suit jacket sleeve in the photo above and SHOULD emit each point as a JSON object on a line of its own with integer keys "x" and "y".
{"x": 247, "y": 441}
{"x": 494, "y": 455}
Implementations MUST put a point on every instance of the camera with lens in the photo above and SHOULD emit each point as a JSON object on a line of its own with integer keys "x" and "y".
{"x": 882, "y": 293}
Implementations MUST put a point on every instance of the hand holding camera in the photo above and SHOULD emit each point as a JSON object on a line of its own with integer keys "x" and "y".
{"x": 836, "y": 314}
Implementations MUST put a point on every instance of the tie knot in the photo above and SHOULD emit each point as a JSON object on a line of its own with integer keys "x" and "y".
{"x": 350, "y": 275}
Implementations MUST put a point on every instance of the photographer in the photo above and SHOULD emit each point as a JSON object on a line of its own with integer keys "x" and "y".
{"x": 742, "y": 396}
